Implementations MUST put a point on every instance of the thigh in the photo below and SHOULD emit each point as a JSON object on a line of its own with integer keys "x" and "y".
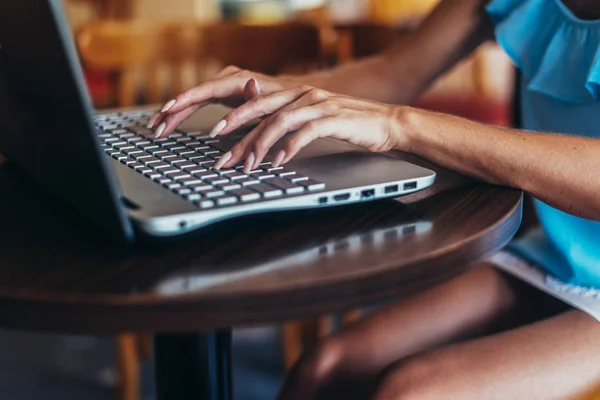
{"x": 481, "y": 301}
{"x": 556, "y": 358}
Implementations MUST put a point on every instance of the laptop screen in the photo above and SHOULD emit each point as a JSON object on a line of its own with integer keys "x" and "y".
{"x": 45, "y": 112}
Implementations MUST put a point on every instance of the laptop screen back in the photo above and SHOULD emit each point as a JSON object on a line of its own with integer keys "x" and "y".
{"x": 45, "y": 125}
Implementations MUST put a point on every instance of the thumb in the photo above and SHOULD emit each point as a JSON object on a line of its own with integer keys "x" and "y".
{"x": 252, "y": 89}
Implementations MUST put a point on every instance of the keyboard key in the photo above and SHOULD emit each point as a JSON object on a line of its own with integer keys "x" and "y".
{"x": 189, "y": 181}
{"x": 152, "y": 175}
{"x": 195, "y": 157}
{"x": 184, "y": 139}
{"x": 186, "y": 164}
{"x": 172, "y": 185}
{"x": 170, "y": 171}
{"x": 247, "y": 181}
{"x": 167, "y": 143}
{"x": 133, "y": 151}
{"x": 270, "y": 168}
{"x": 262, "y": 176}
{"x": 183, "y": 191}
{"x": 144, "y": 169}
{"x": 205, "y": 175}
{"x": 128, "y": 161}
{"x": 226, "y": 200}
{"x": 196, "y": 146}
{"x": 312, "y": 185}
{"x": 175, "y": 160}
{"x": 159, "y": 165}
{"x": 141, "y": 156}
{"x": 245, "y": 194}
{"x": 141, "y": 130}
{"x": 193, "y": 197}
{"x": 184, "y": 151}
{"x": 236, "y": 175}
{"x": 212, "y": 193}
{"x": 206, "y": 203}
{"x": 297, "y": 178}
{"x": 150, "y": 160}
{"x": 163, "y": 180}
{"x": 173, "y": 147}
{"x": 167, "y": 154}
{"x": 127, "y": 146}
{"x": 266, "y": 190}
{"x": 216, "y": 180}
{"x": 137, "y": 166}
{"x": 119, "y": 156}
{"x": 284, "y": 173}
{"x": 229, "y": 186}
{"x": 200, "y": 187}
{"x": 157, "y": 152}
{"x": 287, "y": 186}
{"x": 148, "y": 147}
{"x": 193, "y": 169}
{"x": 180, "y": 176}
{"x": 226, "y": 172}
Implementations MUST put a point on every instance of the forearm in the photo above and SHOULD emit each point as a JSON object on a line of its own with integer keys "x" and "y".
{"x": 563, "y": 171}
{"x": 452, "y": 31}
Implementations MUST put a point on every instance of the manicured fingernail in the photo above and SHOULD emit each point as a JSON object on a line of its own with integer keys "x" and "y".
{"x": 223, "y": 160}
{"x": 249, "y": 162}
{"x": 168, "y": 106}
{"x": 278, "y": 159}
{"x": 152, "y": 121}
{"x": 218, "y": 128}
{"x": 160, "y": 130}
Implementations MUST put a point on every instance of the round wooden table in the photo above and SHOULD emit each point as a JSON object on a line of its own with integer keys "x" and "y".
{"x": 60, "y": 274}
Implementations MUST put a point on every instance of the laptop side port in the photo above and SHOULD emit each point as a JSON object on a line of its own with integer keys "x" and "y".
{"x": 323, "y": 200}
{"x": 341, "y": 197}
{"x": 368, "y": 194}
{"x": 410, "y": 185}
{"x": 390, "y": 189}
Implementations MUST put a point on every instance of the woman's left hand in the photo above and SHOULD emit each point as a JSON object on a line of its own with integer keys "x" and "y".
{"x": 309, "y": 113}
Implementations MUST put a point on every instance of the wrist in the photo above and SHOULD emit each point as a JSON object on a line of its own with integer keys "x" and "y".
{"x": 404, "y": 131}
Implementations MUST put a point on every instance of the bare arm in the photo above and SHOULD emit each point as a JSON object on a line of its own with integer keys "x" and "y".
{"x": 451, "y": 32}
{"x": 563, "y": 171}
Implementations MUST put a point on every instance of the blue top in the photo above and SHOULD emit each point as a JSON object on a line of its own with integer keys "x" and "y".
{"x": 558, "y": 55}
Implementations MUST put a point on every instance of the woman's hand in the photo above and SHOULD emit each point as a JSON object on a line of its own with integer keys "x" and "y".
{"x": 310, "y": 114}
{"x": 232, "y": 87}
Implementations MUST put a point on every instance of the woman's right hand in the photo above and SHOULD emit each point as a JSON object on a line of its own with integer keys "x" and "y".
{"x": 232, "y": 87}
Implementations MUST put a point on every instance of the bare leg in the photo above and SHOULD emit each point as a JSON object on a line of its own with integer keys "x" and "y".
{"x": 556, "y": 358}
{"x": 347, "y": 365}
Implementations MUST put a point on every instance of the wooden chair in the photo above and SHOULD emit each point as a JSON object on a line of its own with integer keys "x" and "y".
{"x": 154, "y": 62}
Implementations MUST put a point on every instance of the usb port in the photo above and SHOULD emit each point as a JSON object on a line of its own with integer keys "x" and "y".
{"x": 368, "y": 194}
{"x": 341, "y": 197}
{"x": 410, "y": 185}
{"x": 390, "y": 189}
{"x": 322, "y": 200}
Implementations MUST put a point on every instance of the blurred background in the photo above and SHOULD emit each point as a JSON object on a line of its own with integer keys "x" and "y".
{"x": 144, "y": 51}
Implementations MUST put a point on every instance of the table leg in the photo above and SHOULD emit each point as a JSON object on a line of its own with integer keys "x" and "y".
{"x": 193, "y": 366}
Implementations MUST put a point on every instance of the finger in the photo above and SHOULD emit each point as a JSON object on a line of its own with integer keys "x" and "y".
{"x": 268, "y": 132}
{"x": 281, "y": 123}
{"x": 171, "y": 122}
{"x": 259, "y": 107}
{"x": 240, "y": 151}
{"x": 332, "y": 127}
{"x": 209, "y": 91}
{"x": 252, "y": 89}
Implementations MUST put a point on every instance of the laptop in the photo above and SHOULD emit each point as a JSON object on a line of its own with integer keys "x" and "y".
{"x": 110, "y": 169}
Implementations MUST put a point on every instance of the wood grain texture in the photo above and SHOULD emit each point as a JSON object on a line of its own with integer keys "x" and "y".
{"x": 58, "y": 273}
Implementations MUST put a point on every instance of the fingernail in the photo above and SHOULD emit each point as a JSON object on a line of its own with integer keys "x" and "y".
{"x": 168, "y": 106}
{"x": 218, "y": 128}
{"x": 223, "y": 160}
{"x": 152, "y": 121}
{"x": 249, "y": 162}
{"x": 278, "y": 159}
{"x": 160, "y": 130}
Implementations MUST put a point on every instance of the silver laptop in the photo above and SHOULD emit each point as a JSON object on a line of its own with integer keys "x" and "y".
{"x": 111, "y": 169}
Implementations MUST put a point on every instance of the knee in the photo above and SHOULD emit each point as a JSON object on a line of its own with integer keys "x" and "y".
{"x": 414, "y": 379}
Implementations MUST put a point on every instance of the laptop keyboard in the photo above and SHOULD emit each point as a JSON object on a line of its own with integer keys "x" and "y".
{"x": 184, "y": 163}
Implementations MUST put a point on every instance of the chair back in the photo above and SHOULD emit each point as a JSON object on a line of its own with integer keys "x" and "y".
{"x": 150, "y": 60}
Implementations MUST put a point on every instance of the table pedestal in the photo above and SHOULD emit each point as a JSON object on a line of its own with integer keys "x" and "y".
{"x": 193, "y": 366}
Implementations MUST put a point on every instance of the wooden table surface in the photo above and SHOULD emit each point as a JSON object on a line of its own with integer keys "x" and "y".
{"x": 59, "y": 273}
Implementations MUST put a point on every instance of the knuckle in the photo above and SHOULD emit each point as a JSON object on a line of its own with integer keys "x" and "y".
{"x": 282, "y": 118}
{"x": 318, "y": 94}
{"x": 231, "y": 68}
{"x": 322, "y": 363}
{"x": 261, "y": 146}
